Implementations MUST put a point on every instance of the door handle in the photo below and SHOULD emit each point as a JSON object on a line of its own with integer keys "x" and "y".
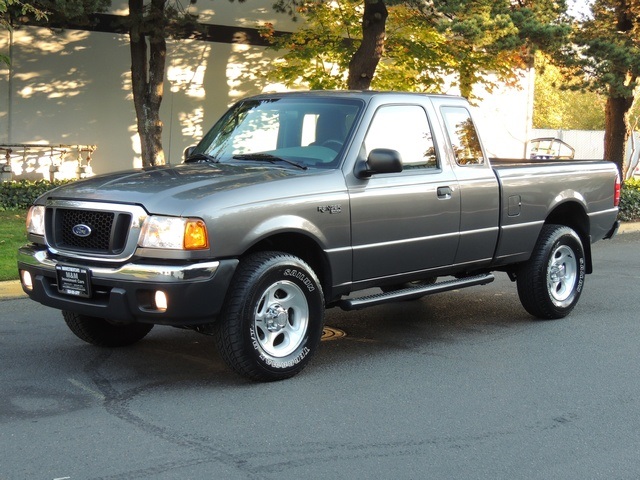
{"x": 444, "y": 192}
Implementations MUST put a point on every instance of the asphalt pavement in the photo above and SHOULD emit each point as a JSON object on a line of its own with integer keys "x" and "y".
{"x": 460, "y": 385}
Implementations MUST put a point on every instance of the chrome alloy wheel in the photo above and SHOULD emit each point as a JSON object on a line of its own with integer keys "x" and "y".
{"x": 281, "y": 319}
{"x": 562, "y": 273}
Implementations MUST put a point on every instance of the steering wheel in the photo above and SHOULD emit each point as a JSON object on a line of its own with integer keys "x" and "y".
{"x": 332, "y": 144}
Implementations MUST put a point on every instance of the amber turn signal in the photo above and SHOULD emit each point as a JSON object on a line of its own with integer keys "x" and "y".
{"x": 195, "y": 235}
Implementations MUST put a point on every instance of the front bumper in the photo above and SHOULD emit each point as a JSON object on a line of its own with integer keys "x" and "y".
{"x": 195, "y": 291}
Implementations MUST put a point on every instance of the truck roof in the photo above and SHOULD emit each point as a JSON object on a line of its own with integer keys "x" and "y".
{"x": 361, "y": 94}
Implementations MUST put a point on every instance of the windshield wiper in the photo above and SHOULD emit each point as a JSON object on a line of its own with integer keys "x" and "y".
{"x": 202, "y": 156}
{"x": 267, "y": 157}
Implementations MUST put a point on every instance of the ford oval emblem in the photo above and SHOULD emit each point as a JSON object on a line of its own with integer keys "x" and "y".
{"x": 81, "y": 230}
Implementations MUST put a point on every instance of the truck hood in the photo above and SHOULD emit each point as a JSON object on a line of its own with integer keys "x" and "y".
{"x": 170, "y": 189}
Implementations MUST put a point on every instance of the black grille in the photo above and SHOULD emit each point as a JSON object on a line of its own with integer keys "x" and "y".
{"x": 99, "y": 222}
{"x": 108, "y": 230}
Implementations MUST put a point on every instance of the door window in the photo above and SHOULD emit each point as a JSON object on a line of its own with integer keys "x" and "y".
{"x": 404, "y": 128}
{"x": 463, "y": 136}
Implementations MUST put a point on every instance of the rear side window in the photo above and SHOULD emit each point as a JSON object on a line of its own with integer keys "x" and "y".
{"x": 463, "y": 136}
{"x": 404, "y": 128}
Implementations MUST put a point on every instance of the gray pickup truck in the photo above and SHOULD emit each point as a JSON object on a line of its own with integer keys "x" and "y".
{"x": 296, "y": 202}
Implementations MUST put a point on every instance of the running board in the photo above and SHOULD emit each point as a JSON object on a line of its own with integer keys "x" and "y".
{"x": 414, "y": 292}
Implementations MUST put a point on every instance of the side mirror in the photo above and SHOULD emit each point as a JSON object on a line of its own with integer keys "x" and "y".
{"x": 187, "y": 152}
{"x": 380, "y": 160}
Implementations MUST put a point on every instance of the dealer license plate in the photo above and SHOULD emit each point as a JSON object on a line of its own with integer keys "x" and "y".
{"x": 74, "y": 281}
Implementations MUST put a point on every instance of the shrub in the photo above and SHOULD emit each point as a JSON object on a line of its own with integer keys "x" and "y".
{"x": 20, "y": 194}
{"x": 630, "y": 201}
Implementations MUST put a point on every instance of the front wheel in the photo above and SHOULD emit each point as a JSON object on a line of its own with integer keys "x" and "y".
{"x": 100, "y": 332}
{"x": 271, "y": 323}
{"x": 550, "y": 283}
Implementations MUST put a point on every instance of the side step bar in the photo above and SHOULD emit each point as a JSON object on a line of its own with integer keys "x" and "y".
{"x": 414, "y": 292}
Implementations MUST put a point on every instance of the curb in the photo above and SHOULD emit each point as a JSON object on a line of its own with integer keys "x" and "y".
{"x": 11, "y": 290}
{"x": 629, "y": 227}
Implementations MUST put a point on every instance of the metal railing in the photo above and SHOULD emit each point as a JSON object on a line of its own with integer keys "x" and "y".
{"x": 35, "y": 161}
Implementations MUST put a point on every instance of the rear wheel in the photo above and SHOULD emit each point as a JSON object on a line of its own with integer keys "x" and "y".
{"x": 272, "y": 320}
{"x": 550, "y": 283}
{"x": 100, "y": 332}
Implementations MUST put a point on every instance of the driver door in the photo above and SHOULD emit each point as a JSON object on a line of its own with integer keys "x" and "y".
{"x": 409, "y": 221}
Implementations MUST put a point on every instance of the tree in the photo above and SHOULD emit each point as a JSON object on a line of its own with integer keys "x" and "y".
{"x": 320, "y": 55}
{"x": 9, "y": 9}
{"x": 149, "y": 24}
{"x": 498, "y": 37}
{"x": 364, "y": 59}
{"x": 606, "y": 58}
{"x": 558, "y": 107}
{"x": 147, "y": 73}
{"x": 414, "y": 44}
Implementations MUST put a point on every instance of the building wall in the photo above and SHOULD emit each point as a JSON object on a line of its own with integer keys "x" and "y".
{"x": 73, "y": 88}
{"x": 504, "y": 117}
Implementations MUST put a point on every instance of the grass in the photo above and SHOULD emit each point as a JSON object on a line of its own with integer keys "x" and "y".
{"x": 12, "y": 235}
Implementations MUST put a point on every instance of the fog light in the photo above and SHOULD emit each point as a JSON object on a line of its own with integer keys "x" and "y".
{"x": 27, "y": 281}
{"x": 161, "y": 301}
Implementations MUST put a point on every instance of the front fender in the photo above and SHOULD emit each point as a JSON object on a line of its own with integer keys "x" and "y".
{"x": 283, "y": 224}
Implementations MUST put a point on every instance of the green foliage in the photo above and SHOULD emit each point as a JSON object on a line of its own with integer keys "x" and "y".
{"x": 79, "y": 11}
{"x": 476, "y": 41}
{"x": 22, "y": 193}
{"x": 13, "y": 235}
{"x": 13, "y": 8}
{"x": 317, "y": 55}
{"x": 557, "y": 106}
{"x": 609, "y": 43}
{"x": 605, "y": 57}
{"x": 630, "y": 201}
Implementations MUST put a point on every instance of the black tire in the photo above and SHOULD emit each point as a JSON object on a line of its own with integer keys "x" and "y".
{"x": 100, "y": 332}
{"x": 271, "y": 323}
{"x": 550, "y": 283}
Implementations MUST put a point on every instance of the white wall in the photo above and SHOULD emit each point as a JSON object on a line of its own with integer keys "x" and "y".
{"x": 504, "y": 117}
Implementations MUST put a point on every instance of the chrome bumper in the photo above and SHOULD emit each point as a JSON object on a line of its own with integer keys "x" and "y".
{"x": 28, "y": 255}
{"x": 195, "y": 292}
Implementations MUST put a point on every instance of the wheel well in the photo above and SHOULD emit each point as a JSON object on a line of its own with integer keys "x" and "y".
{"x": 573, "y": 215}
{"x": 302, "y": 247}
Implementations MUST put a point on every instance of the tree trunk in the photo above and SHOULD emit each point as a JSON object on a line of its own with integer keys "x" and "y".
{"x": 364, "y": 62}
{"x": 147, "y": 75}
{"x": 616, "y": 132}
{"x": 620, "y": 98}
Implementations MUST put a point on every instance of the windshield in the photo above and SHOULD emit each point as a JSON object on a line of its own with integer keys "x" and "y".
{"x": 310, "y": 132}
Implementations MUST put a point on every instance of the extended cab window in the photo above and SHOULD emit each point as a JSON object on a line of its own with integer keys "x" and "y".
{"x": 404, "y": 128}
{"x": 463, "y": 136}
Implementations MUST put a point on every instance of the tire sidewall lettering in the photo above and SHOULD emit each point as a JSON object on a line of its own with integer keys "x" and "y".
{"x": 301, "y": 276}
{"x": 576, "y": 247}
{"x": 279, "y": 363}
{"x": 581, "y": 275}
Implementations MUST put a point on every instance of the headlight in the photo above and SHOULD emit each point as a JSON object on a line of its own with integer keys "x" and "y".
{"x": 35, "y": 220}
{"x": 174, "y": 232}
